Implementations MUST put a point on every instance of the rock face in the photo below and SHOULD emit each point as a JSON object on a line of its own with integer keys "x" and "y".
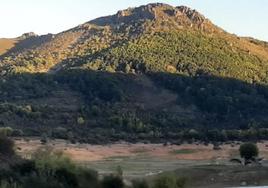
{"x": 27, "y": 35}
{"x": 193, "y": 15}
{"x": 128, "y": 15}
{"x": 182, "y": 15}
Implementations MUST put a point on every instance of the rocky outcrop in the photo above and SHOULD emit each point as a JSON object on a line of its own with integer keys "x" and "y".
{"x": 182, "y": 16}
{"x": 27, "y": 35}
{"x": 192, "y": 14}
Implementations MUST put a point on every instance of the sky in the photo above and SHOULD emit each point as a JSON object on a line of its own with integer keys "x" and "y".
{"x": 241, "y": 17}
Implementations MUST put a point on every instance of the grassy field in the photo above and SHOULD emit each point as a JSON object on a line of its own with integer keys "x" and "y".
{"x": 183, "y": 151}
{"x": 140, "y": 166}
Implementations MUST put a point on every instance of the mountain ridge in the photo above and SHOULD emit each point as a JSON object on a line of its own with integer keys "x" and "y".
{"x": 127, "y": 25}
{"x": 151, "y": 12}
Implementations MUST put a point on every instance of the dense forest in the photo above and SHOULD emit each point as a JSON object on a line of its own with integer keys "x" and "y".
{"x": 115, "y": 106}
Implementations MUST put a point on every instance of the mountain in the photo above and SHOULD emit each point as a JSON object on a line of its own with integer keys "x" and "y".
{"x": 152, "y": 72}
{"x": 157, "y": 24}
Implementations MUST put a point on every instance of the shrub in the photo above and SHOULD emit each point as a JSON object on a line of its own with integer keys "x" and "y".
{"x": 6, "y": 131}
{"x": 54, "y": 165}
{"x": 41, "y": 182}
{"x": 43, "y": 139}
{"x": 165, "y": 181}
{"x": 248, "y": 151}
{"x": 87, "y": 178}
{"x": 140, "y": 184}
{"x": 119, "y": 171}
{"x": 6, "y": 146}
{"x": 112, "y": 182}
{"x": 80, "y": 120}
{"x": 169, "y": 181}
{"x": 181, "y": 182}
{"x": 5, "y": 184}
{"x": 48, "y": 160}
{"x": 66, "y": 177}
{"x": 17, "y": 132}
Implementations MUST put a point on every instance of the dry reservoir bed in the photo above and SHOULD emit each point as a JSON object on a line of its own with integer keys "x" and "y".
{"x": 139, "y": 159}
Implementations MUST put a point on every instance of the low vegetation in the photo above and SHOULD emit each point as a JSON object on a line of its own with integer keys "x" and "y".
{"x": 169, "y": 181}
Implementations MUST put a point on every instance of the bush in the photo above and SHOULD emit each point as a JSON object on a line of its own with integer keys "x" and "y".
{"x": 169, "y": 181}
{"x": 88, "y": 178}
{"x": 165, "y": 181}
{"x": 48, "y": 160}
{"x": 181, "y": 182}
{"x": 112, "y": 182}
{"x": 66, "y": 177}
{"x": 54, "y": 165}
{"x": 6, "y": 146}
{"x": 80, "y": 120}
{"x": 6, "y": 131}
{"x": 41, "y": 182}
{"x": 17, "y": 133}
{"x": 43, "y": 139}
{"x": 140, "y": 184}
{"x": 248, "y": 151}
{"x": 5, "y": 184}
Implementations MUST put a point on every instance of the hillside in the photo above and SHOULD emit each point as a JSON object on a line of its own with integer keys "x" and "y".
{"x": 153, "y": 72}
{"x": 6, "y": 44}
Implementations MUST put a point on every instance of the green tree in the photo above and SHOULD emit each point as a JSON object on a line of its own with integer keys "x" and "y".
{"x": 6, "y": 146}
{"x": 248, "y": 151}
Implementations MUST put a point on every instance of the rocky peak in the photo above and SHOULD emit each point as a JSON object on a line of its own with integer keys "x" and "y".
{"x": 129, "y": 15}
{"x": 27, "y": 35}
{"x": 164, "y": 14}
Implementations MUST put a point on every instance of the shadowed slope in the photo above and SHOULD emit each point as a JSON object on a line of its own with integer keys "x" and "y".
{"x": 100, "y": 106}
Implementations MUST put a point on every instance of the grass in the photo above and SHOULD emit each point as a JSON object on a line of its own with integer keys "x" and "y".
{"x": 138, "y": 166}
{"x": 182, "y": 151}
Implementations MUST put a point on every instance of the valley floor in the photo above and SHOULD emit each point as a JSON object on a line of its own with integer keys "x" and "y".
{"x": 203, "y": 165}
{"x": 89, "y": 153}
